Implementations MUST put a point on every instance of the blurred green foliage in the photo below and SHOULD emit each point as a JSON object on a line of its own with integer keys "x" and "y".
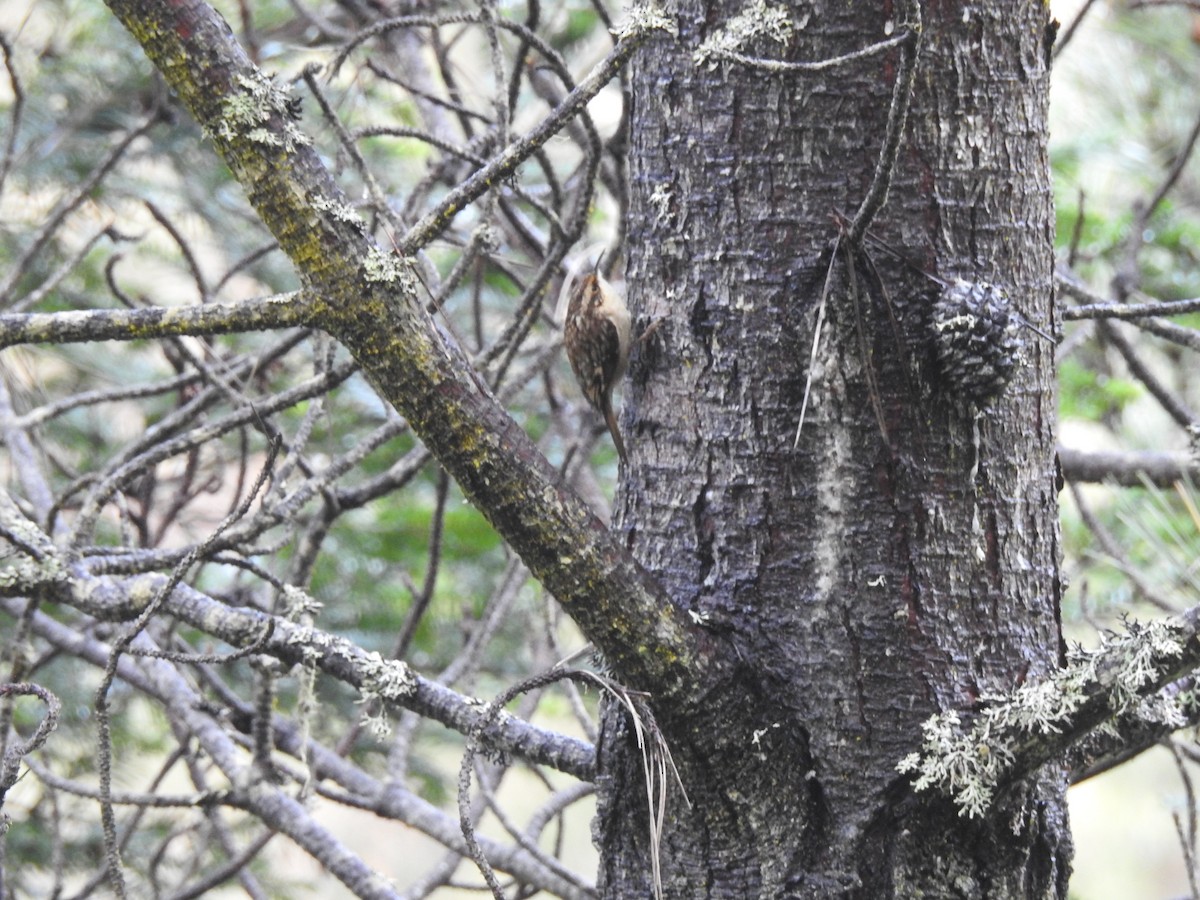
{"x": 1123, "y": 110}
{"x": 1087, "y": 394}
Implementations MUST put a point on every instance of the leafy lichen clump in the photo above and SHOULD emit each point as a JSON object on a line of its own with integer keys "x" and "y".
{"x": 386, "y": 680}
{"x": 646, "y": 17}
{"x": 383, "y": 267}
{"x": 340, "y": 211}
{"x": 758, "y": 18}
{"x": 251, "y": 114}
{"x": 968, "y": 766}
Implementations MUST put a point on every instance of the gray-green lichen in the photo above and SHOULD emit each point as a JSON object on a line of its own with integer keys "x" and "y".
{"x": 642, "y": 18}
{"x": 968, "y": 765}
{"x": 757, "y": 18}
{"x": 388, "y": 268}
{"x": 340, "y": 211}
{"x": 20, "y": 574}
{"x": 298, "y": 603}
{"x": 254, "y": 113}
{"x": 387, "y": 679}
{"x": 382, "y": 679}
{"x": 311, "y": 642}
{"x": 28, "y": 559}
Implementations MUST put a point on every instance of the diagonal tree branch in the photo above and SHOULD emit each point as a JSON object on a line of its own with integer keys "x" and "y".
{"x": 368, "y": 300}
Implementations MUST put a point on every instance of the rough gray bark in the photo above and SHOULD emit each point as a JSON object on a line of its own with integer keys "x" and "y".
{"x": 902, "y": 558}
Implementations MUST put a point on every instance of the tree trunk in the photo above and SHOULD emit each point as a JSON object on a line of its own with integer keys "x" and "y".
{"x": 900, "y": 558}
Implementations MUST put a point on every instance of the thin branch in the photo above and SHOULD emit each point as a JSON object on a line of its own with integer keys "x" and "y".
{"x": 124, "y": 642}
{"x": 1169, "y": 331}
{"x": 526, "y": 841}
{"x": 11, "y": 763}
{"x": 18, "y": 106}
{"x": 1069, "y": 31}
{"x": 1175, "y": 405}
{"x": 185, "y": 249}
{"x": 1128, "y": 468}
{"x": 51, "y": 283}
{"x": 782, "y": 66}
{"x": 656, "y": 758}
{"x": 1131, "y": 310}
{"x": 235, "y": 866}
{"x": 76, "y": 326}
{"x": 507, "y": 160}
{"x": 127, "y": 798}
{"x": 165, "y": 447}
{"x": 236, "y": 368}
{"x": 196, "y": 659}
{"x": 346, "y": 142}
{"x": 1187, "y": 839}
{"x": 881, "y": 181}
{"x": 1116, "y": 555}
{"x": 1128, "y": 275}
{"x": 68, "y": 204}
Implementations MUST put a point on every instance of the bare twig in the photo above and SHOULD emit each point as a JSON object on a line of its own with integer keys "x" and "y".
{"x": 897, "y": 117}
{"x": 784, "y": 66}
{"x": 1116, "y": 554}
{"x": 13, "y": 755}
{"x": 506, "y": 162}
{"x": 18, "y": 106}
{"x": 1067, "y": 33}
{"x": 1187, "y": 836}
{"x": 68, "y": 204}
{"x": 1131, "y": 310}
{"x": 101, "y": 704}
{"x": 658, "y": 766}
{"x": 1128, "y": 276}
{"x": 1170, "y": 401}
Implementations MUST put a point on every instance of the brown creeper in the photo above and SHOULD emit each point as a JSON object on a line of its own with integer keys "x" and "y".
{"x": 596, "y": 333}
